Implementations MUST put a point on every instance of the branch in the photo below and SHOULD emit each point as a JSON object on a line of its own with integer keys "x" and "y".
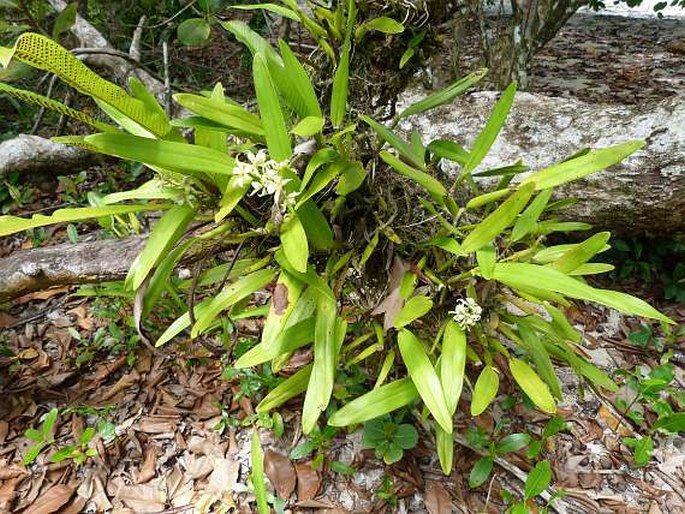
{"x": 26, "y": 271}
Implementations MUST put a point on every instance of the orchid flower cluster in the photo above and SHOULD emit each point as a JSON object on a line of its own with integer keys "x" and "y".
{"x": 264, "y": 176}
{"x": 466, "y": 313}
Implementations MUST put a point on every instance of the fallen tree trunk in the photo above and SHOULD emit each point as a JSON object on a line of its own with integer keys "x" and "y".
{"x": 645, "y": 194}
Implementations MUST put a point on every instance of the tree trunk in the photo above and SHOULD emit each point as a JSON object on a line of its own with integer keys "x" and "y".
{"x": 645, "y": 194}
{"x": 511, "y": 40}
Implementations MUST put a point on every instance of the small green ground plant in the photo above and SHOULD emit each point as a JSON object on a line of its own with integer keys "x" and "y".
{"x": 314, "y": 200}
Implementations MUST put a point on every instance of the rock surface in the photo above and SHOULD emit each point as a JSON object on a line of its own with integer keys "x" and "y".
{"x": 644, "y": 194}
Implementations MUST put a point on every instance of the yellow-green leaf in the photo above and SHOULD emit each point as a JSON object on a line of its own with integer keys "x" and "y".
{"x": 580, "y": 167}
{"x": 497, "y": 221}
{"x": 531, "y": 384}
{"x": 286, "y": 390}
{"x": 294, "y": 240}
{"x": 277, "y": 139}
{"x": 452, "y": 364}
{"x": 425, "y": 378}
{"x": 375, "y": 403}
{"x": 485, "y": 390}
{"x": 581, "y": 253}
{"x": 412, "y": 310}
{"x": 444, "y": 445}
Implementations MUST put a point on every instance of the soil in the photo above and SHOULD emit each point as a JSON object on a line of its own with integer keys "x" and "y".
{"x": 174, "y": 435}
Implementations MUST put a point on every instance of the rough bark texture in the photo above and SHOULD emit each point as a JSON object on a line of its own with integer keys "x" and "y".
{"x": 26, "y": 271}
{"x": 644, "y": 194}
{"x": 34, "y": 155}
{"x": 66, "y": 264}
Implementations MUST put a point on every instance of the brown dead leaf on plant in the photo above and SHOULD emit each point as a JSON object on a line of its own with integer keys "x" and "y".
{"x": 280, "y": 472}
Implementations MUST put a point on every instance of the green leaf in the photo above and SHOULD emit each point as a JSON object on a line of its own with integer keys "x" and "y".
{"x": 274, "y": 8}
{"x": 487, "y": 258}
{"x": 532, "y": 385}
{"x": 527, "y": 220}
{"x": 425, "y": 379}
{"x": 163, "y": 237}
{"x": 290, "y": 339}
{"x": 65, "y": 20}
{"x": 429, "y": 183}
{"x": 443, "y": 96}
{"x": 341, "y": 86}
{"x": 412, "y": 310}
{"x": 252, "y": 40}
{"x": 286, "y": 390}
{"x": 257, "y": 473}
{"x": 492, "y": 128}
{"x": 406, "y": 436}
{"x": 512, "y": 443}
{"x": 446, "y": 149}
{"x": 277, "y": 139}
{"x": 484, "y": 391}
{"x": 321, "y": 157}
{"x": 539, "y": 355}
{"x": 487, "y": 198}
{"x": 488, "y": 229}
{"x": 181, "y": 157}
{"x": 309, "y": 126}
{"x": 351, "y": 179}
{"x": 538, "y": 479}
{"x": 194, "y": 32}
{"x": 13, "y": 224}
{"x": 294, "y": 240}
{"x": 382, "y": 24}
{"x": 480, "y": 472}
{"x": 160, "y": 279}
{"x": 295, "y": 85}
{"x": 444, "y": 446}
{"x": 581, "y": 253}
{"x": 229, "y": 296}
{"x": 221, "y": 112}
{"x": 62, "y": 454}
{"x": 673, "y": 423}
{"x": 375, "y": 403}
{"x": 387, "y": 135}
{"x": 319, "y": 232}
{"x": 452, "y": 364}
{"x": 574, "y": 169}
{"x": 643, "y": 449}
{"x": 524, "y": 275}
{"x": 322, "y": 178}
{"x": 329, "y": 333}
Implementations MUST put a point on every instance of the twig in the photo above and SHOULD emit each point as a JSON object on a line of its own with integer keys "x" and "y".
{"x": 167, "y": 80}
{"x": 558, "y": 505}
{"x": 63, "y": 119}
{"x": 41, "y": 111}
{"x": 134, "y": 49}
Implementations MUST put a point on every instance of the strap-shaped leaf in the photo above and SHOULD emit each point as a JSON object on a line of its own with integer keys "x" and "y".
{"x": 295, "y": 85}
{"x": 277, "y": 139}
{"x": 524, "y": 276}
{"x": 425, "y": 378}
{"x": 182, "y": 157}
{"x": 377, "y": 402}
{"x": 340, "y": 89}
{"x": 485, "y": 390}
{"x": 53, "y": 105}
{"x": 452, "y": 364}
{"x": 163, "y": 237}
{"x": 497, "y": 221}
{"x": 532, "y": 385}
{"x": 582, "y": 166}
{"x": 286, "y": 390}
{"x": 294, "y": 241}
{"x": 45, "y": 54}
{"x": 581, "y": 253}
{"x": 221, "y": 112}
{"x": 13, "y": 224}
{"x": 423, "y": 179}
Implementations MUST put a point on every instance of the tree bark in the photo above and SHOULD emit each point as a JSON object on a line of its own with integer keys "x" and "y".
{"x": 645, "y": 194}
{"x": 511, "y": 40}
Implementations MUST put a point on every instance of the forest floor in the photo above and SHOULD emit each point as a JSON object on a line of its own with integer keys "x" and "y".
{"x": 173, "y": 426}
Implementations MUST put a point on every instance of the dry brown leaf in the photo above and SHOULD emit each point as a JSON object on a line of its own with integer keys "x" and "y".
{"x": 280, "y": 472}
{"x": 12, "y": 471}
{"x": 41, "y": 295}
{"x": 437, "y": 498}
{"x": 124, "y": 382}
{"x": 199, "y": 466}
{"x": 144, "y": 498}
{"x": 155, "y": 425}
{"x": 52, "y": 500}
{"x": 147, "y": 470}
{"x": 7, "y": 492}
{"x": 393, "y": 302}
{"x": 224, "y": 477}
{"x": 614, "y": 423}
{"x": 7, "y": 319}
{"x": 4, "y": 429}
{"x": 308, "y": 481}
